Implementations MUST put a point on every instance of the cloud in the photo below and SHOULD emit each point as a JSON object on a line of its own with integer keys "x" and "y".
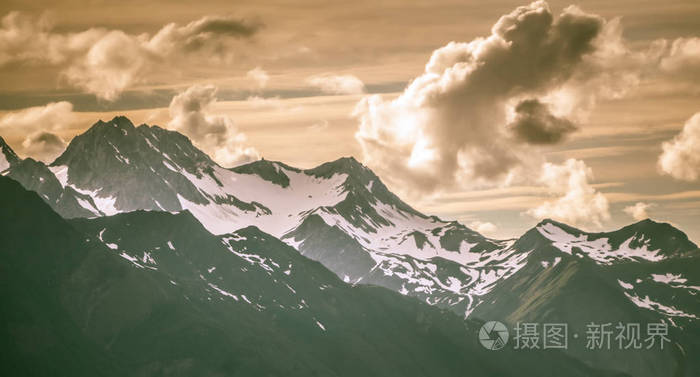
{"x": 259, "y": 76}
{"x": 534, "y": 124}
{"x": 680, "y": 158}
{"x": 200, "y": 33}
{"x": 106, "y": 62}
{"x": 577, "y": 201}
{"x": 115, "y": 62}
{"x": 25, "y": 39}
{"x": 210, "y": 35}
{"x": 483, "y": 227}
{"x": 683, "y": 58}
{"x": 319, "y": 126}
{"x": 471, "y": 117}
{"x": 259, "y": 102}
{"x": 55, "y": 115}
{"x": 337, "y": 84}
{"x": 40, "y": 124}
{"x": 638, "y": 211}
{"x": 43, "y": 146}
{"x": 190, "y": 113}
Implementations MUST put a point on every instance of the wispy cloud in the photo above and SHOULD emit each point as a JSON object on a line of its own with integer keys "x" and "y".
{"x": 105, "y": 62}
{"x": 337, "y": 84}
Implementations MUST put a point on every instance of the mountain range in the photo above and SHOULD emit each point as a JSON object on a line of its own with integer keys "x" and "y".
{"x": 152, "y": 257}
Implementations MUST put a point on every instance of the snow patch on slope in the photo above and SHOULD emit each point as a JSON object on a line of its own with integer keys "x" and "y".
{"x": 599, "y": 249}
{"x": 222, "y": 292}
{"x": 105, "y": 205}
{"x": 650, "y": 304}
{"x": 4, "y": 164}
{"x": 397, "y": 238}
{"x": 463, "y": 286}
{"x": 674, "y": 281}
{"x": 286, "y": 204}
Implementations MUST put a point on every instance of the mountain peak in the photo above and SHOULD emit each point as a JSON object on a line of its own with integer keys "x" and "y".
{"x": 567, "y": 228}
{"x": 646, "y": 239}
{"x": 649, "y": 225}
{"x": 659, "y": 232}
{"x": 647, "y": 222}
{"x": 8, "y": 157}
{"x": 119, "y": 122}
{"x": 347, "y": 165}
{"x": 549, "y": 221}
{"x": 264, "y": 164}
{"x": 348, "y": 162}
{"x": 113, "y": 136}
{"x": 119, "y": 141}
{"x": 122, "y": 121}
{"x": 271, "y": 171}
{"x": 119, "y": 160}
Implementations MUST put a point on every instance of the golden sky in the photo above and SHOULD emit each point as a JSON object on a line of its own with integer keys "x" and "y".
{"x": 583, "y": 114}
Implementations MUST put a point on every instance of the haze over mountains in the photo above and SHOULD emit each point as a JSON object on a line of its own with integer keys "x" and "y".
{"x": 189, "y": 243}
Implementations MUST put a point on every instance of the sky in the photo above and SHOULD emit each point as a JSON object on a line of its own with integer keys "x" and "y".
{"x": 495, "y": 114}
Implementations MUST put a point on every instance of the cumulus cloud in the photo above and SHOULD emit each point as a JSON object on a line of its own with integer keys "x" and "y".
{"x": 484, "y": 228}
{"x": 576, "y": 201}
{"x": 534, "y": 124}
{"x": 259, "y": 76}
{"x": 106, "y": 62}
{"x": 41, "y": 125}
{"x": 55, "y": 115}
{"x": 638, "y": 211}
{"x": 470, "y": 117}
{"x": 43, "y": 146}
{"x": 115, "y": 62}
{"x": 337, "y": 84}
{"x": 190, "y": 113}
{"x": 680, "y": 157}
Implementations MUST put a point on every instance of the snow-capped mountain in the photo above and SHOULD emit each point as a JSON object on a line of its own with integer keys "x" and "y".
{"x": 126, "y": 168}
{"x": 154, "y": 294}
{"x": 443, "y": 263}
{"x": 242, "y": 238}
{"x": 115, "y": 167}
{"x": 646, "y": 240}
{"x": 649, "y": 262}
{"x": 646, "y": 272}
{"x": 339, "y": 213}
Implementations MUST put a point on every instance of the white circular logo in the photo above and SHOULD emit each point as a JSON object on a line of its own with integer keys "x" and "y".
{"x": 493, "y": 335}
